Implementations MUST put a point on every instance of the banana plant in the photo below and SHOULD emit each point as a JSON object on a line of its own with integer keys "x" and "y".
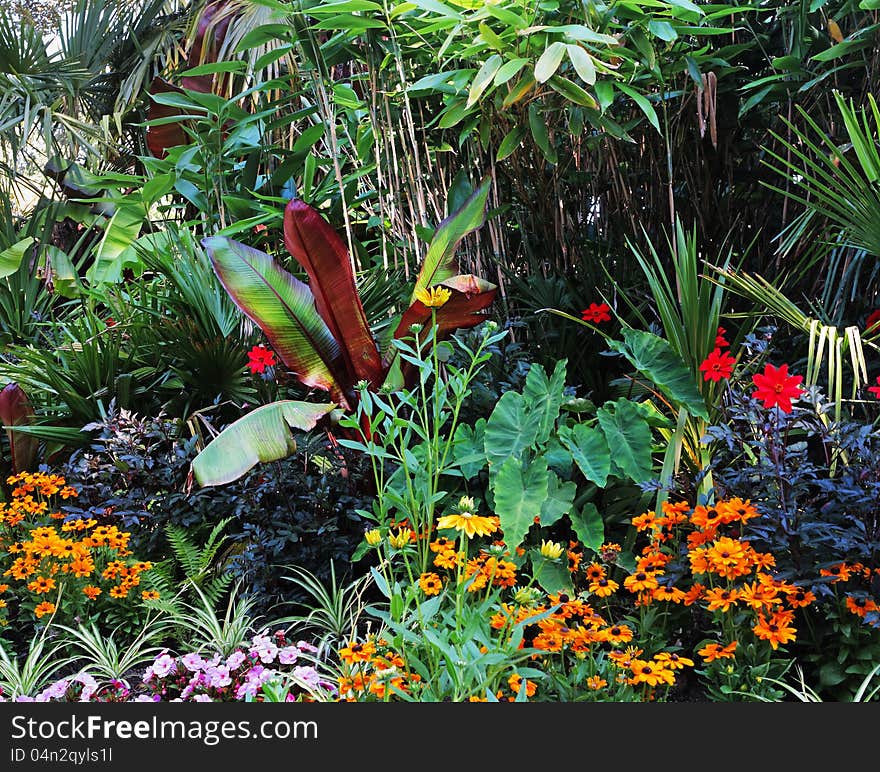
{"x": 319, "y": 329}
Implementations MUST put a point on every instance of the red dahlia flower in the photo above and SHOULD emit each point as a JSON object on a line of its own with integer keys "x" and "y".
{"x": 259, "y": 358}
{"x": 720, "y": 341}
{"x": 776, "y": 388}
{"x": 875, "y": 390}
{"x": 719, "y": 364}
{"x": 597, "y": 312}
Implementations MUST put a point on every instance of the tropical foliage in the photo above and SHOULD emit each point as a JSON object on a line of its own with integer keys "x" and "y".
{"x": 439, "y": 351}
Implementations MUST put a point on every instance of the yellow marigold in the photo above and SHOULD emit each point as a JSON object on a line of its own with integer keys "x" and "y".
{"x": 673, "y": 661}
{"x": 41, "y": 585}
{"x": 603, "y": 587}
{"x": 721, "y": 598}
{"x": 776, "y": 630}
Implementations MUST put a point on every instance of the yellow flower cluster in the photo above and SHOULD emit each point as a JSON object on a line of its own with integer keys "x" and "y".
{"x": 46, "y": 558}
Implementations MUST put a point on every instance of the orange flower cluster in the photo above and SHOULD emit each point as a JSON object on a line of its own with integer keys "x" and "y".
{"x": 732, "y": 574}
{"x": 480, "y": 571}
{"x": 857, "y": 580}
{"x": 373, "y": 669}
{"x": 44, "y": 558}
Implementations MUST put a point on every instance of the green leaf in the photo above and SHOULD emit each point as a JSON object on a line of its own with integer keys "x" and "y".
{"x": 261, "y": 436}
{"x": 439, "y": 263}
{"x": 468, "y": 447}
{"x": 656, "y": 359}
{"x": 283, "y": 307}
{"x": 573, "y": 92}
{"x": 544, "y": 396}
{"x": 212, "y": 68}
{"x": 510, "y": 429}
{"x": 560, "y": 498}
{"x": 539, "y": 133}
{"x": 115, "y": 251}
{"x": 663, "y": 30}
{"x": 552, "y": 575}
{"x": 589, "y": 526}
{"x": 644, "y": 105}
{"x": 628, "y": 437}
{"x": 582, "y": 63}
{"x": 11, "y": 257}
{"x": 511, "y": 142}
{"x": 484, "y": 77}
{"x": 519, "y": 496}
{"x": 589, "y": 449}
{"x": 549, "y": 61}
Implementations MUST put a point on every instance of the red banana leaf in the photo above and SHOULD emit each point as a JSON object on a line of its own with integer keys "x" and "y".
{"x": 319, "y": 249}
{"x": 206, "y": 44}
{"x": 15, "y": 410}
{"x": 471, "y": 295}
{"x": 439, "y": 263}
{"x": 160, "y": 138}
{"x": 284, "y": 308}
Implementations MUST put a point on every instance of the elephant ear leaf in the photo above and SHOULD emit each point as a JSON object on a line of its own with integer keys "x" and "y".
{"x": 262, "y": 435}
{"x": 654, "y": 357}
{"x": 319, "y": 249}
{"x": 283, "y": 308}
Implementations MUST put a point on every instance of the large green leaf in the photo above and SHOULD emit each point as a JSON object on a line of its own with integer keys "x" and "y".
{"x": 262, "y": 435}
{"x": 655, "y": 358}
{"x": 115, "y": 251}
{"x": 439, "y": 263}
{"x": 284, "y": 308}
{"x": 560, "y": 497}
{"x": 629, "y": 438}
{"x": 468, "y": 448}
{"x": 545, "y": 395}
{"x": 510, "y": 429}
{"x": 319, "y": 249}
{"x": 552, "y": 575}
{"x": 589, "y": 526}
{"x": 11, "y": 257}
{"x": 589, "y": 449}
{"x": 519, "y": 495}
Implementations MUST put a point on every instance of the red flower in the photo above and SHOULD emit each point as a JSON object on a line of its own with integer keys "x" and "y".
{"x": 719, "y": 364}
{"x": 259, "y": 358}
{"x": 875, "y": 390}
{"x": 776, "y": 387}
{"x": 872, "y": 320}
{"x": 597, "y": 312}
{"x": 720, "y": 342}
